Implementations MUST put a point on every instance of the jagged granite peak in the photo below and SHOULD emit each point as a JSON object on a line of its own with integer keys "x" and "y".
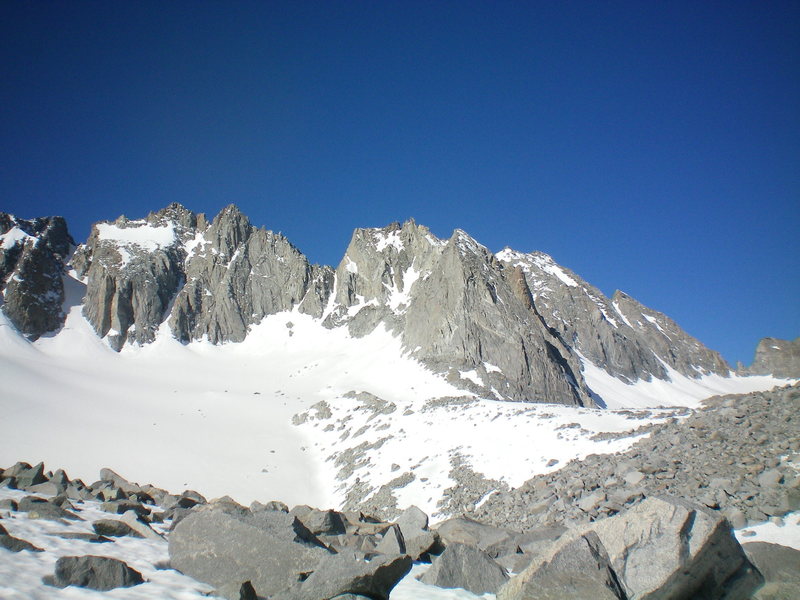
{"x": 235, "y": 275}
{"x": 132, "y": 270}
{"x": 456, "y": 311}
{"x": 511, "y": 326}
{"x": 374, "y": 279}
{"x": 777, "y": 357}
{"x": 32, "y": 257}
{"x": 620, "y": 335}
{"x": 205, "y": 280}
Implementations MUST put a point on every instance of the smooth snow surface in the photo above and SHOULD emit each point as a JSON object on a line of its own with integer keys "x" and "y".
{"x": 678, "y": 391}
{"x": 787, "y": 534}
{"x": 212, "y": 418}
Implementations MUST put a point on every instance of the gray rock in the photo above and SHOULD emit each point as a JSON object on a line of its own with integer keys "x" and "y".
{"x": 412, "y": 521}
{"x": 668, "y": 548}
{"x": 113, "y": 528}
{"x": 219, "y": 549}
{"x": 770, "y": 478}
{"x": 14, "y": 544}
{"x": 328, "y": 522}
{"x": 237, "y": 591}
{"x": 39, "y": 508}
{"x": 139, "y": 526}
{"x": 29, "y": 477}
{"x": 31, "y": 272}
{"x": 256, "y": 506}
{"x": 119, "y": 507}
{"x": 780, "y": 566}
{"x": 8, "y": 504}
{"x": 465, "y": 567}
{"x": 578, "y": 569}
{"x": 780, "y": 358}
{"x": 392, "y": 542}
{"x": 346, "y": 573}
{"x": 462, "y": 530}
{"x": 95, "y": 572}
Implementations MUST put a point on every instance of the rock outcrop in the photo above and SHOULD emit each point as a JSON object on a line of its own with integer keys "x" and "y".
{"x": 32, "y": 257}
{"x": 620, "y": 335}
{"x": 780, "y": 358}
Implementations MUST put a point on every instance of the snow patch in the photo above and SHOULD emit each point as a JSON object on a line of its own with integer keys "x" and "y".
{"x": 472, "y": 376}
{"x": 385, "y": 240}
{"x": 147, "y": 237}
{"x": 14, "y": 236}
{"x": 678, "y": 390}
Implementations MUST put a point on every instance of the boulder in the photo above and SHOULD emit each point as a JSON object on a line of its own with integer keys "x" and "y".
{"x": 412, "y": 520}
{"x": 113, "y": 528}
{"x": 39, "y": 508}
{"x": 13, "y": 544}
{"x": 95, "y": 572}
{"x": 466, "y": 567}
{"x": 271, "y": 549}
{"x": 392, "y": 542}
{"x": 31, "y": 476}
{"x": 328, "y": 522}
{"x": 579, "y": 569}
{"x": 661, "y": 548}
{"x": 237, "y": 591}
{"x": 780, "y": 566}
{"x": 346, "y": 573}
{"x": 463, "y": 530}
{"x": 139, "y": 527}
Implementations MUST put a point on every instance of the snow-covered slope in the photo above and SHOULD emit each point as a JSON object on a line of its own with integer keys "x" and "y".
{"x": 296, "y": 412}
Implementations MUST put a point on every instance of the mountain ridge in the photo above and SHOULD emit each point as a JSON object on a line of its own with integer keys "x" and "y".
{"x": 507, "y": 325}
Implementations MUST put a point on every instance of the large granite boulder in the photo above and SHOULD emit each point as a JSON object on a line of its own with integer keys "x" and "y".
{"x": 659, "y": 549}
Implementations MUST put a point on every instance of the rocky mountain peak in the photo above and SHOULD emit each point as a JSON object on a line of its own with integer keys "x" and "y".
{"x": 775, "y": 357}
{"x": 32, "y": 257}
{"x": 510, "y": 325}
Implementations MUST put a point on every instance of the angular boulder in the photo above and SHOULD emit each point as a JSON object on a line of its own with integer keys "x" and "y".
{"x": 347, "y": 573}
{"x": 95, "y": 572}
{"x": 462, "y": 530}
{"x": 580, "y": 569}
{"x": 661, "y": 548}
{"x": 271, "y": 549}
{"x": 466, "y": 567}
{"x": 780, "y": 566}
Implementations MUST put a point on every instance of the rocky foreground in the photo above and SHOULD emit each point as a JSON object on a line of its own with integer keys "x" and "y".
{"x": 738, "y": 455}
{"x": 659, "y": 548}
{"x": 652, "y": 522}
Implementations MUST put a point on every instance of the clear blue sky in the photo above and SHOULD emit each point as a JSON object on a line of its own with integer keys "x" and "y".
{"x": 649, "y": 146}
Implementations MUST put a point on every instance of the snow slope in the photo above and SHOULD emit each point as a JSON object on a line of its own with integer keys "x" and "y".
{"x": 219, "y": 418}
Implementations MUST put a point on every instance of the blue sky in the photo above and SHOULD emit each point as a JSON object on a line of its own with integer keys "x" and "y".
{"x": 652, "y": 147}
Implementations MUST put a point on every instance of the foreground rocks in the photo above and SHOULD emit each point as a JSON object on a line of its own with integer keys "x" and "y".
{"x": 736, "y": 455}
{"x": 659, "y": 547}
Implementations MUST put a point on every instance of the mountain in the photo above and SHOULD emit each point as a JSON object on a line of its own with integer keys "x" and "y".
{"x": 775, "y": 357}
{"x": 509, "y": 326}
{"x": 32, "y": 256}
{"x": 419, "y": 370}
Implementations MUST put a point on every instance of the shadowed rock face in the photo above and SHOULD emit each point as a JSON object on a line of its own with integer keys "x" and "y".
{"x": 512, "y": 326}
{"x": 780, "y": 358}
{"x": 32, "y": 256}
